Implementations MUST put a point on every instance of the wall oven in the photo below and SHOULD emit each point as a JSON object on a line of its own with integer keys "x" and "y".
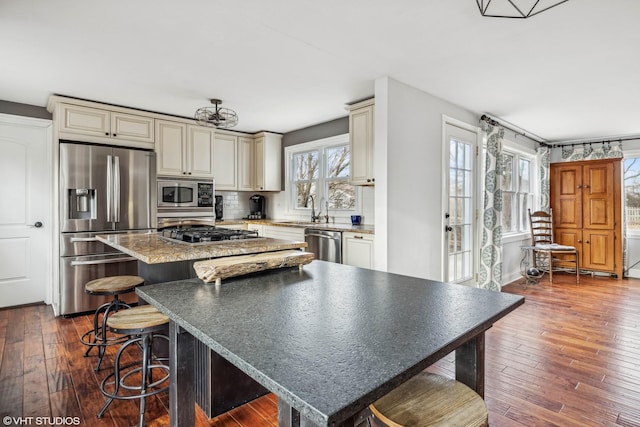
{"x": 185, "y": 197}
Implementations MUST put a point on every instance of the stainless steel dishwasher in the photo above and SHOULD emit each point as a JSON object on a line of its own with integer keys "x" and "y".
{"x": 325, "y": 244}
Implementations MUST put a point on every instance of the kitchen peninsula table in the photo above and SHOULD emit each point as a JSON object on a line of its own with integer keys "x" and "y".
{"x": 329, "y": 339}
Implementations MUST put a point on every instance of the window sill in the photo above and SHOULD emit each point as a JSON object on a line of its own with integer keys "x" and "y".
{"x": 516, "y": 237}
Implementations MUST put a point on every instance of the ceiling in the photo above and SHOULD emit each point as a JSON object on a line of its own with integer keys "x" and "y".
{"x": 569, "y": 73}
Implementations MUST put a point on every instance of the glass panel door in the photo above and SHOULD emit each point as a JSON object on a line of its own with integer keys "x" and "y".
{"x": 460, "y": 228}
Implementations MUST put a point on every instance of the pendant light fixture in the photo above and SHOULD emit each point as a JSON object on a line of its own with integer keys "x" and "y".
{"x": 520, "y": 9}
{"x": 216, "y": 116}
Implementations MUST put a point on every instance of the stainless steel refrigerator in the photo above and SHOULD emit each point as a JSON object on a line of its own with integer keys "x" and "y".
{"x": 103, "y": 190}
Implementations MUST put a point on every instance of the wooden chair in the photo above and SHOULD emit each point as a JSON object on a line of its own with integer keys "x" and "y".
{"x": 430, "y": 400}
{"x": 548, "y": 255}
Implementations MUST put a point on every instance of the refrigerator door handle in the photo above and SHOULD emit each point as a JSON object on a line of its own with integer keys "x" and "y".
{"x": 109, "y": 188}
{"x": 116, "y": 189}
{"x": 103, "y": 261}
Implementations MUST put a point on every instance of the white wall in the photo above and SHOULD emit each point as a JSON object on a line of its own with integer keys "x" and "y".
{"x": 408, "y": 170}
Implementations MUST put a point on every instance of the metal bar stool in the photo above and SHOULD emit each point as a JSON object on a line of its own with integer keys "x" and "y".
{"x": 98, "y": 337}
{"x": 135, "y": 380}
{"x": 430, "y": 400}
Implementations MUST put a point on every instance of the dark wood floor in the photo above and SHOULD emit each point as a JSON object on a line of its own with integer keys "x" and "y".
{"x": 569, "y": 357}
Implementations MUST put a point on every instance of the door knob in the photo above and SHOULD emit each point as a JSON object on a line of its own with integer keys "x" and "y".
{"x": 37, "y": 224}
{"x": 448, "y": 228}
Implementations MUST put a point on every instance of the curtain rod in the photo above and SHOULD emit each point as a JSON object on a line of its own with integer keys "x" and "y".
{"x": 494, "y": 122}
{"x": 596, "y": 141}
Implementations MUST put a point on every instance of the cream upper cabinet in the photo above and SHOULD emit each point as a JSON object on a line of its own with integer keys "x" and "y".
{"x": 268, "y": 162}
{"x": 96, "y": 122}
{"x": 361, "y": 140}
{"x": 171, "y": 140}
{"x": 246, "y": 164}
{"x": 200, "y": 150}
{"x": 357, "y": 249}
{"x": 184, "y": 150}
{"x": 225, "y": 161}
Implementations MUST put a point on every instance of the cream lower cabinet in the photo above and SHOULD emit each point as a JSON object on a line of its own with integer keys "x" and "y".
{"x": 184, "y": 150}
{"x": 242, "y": 226}
{"x": 256, "y": 227}
{"x": 285, "y": 233}
{"x": 109, "y": 126}
{"x": 357, "y": 249}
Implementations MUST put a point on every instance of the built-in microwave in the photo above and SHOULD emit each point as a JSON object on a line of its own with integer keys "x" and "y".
{"x": 186, "y": 194}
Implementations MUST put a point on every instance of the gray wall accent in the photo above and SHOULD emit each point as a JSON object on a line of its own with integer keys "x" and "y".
{"x": 319, "y": 131}
{"x": 17, "y": 109}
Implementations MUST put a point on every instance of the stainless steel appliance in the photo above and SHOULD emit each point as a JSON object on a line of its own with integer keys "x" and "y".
{"x": 325, "y": 244}
{"x": 257, "y": 207}
{"x": 103, "y": 190}
{"x": 204, "y": 234}
{"x": 184, "y": 197}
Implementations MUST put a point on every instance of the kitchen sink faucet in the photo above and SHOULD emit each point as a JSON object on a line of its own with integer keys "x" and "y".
{"x": 314, "y": 217}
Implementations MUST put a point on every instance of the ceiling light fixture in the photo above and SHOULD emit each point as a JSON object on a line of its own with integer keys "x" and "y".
{"x": 216, "y": 116}
{"x": 520, "y": 9}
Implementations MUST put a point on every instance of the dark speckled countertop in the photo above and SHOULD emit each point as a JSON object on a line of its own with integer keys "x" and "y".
{"x": 330, "y": 339}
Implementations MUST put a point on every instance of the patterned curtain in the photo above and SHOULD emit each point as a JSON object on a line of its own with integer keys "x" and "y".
{"x": 543, "y": 154}
{"x": 491, "y": 252}
{"x": 571, "y": 153}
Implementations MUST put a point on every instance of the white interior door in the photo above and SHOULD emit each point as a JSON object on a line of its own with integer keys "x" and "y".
{"x": 26, "y": 211}
{"x": 460, "y": 190}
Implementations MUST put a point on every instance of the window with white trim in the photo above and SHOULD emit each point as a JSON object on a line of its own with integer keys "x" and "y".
{"x": 517, "y": 191}
{"x": 321, "y": 170}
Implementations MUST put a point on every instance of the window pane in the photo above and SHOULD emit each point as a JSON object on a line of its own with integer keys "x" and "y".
{"x": 342, "y": 195}
{"x": 303, "y": 191}
{"x": 338, "y": 161}
{"x": 507, "y": 172}
{"x": 508, "y": 205}
{"x": 305, "y": 166}
{"x": 525, "y": 175}
{"x": 632, "y": 192}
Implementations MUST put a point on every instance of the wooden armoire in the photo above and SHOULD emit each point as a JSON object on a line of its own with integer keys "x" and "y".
{"x": 586, "y": 198}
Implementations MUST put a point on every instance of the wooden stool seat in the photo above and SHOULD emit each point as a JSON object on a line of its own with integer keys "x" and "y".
{"x": 430, "y": 400}
{"x": 113, "y": 285}
{"x": 137, "y": 380}
{"x": 135, "y": 320}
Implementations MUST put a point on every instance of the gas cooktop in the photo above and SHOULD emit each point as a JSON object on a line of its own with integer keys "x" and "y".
{"x": 203, "y": 234}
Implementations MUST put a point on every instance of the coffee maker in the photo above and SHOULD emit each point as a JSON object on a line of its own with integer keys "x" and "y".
{"x": 256, "y": 207}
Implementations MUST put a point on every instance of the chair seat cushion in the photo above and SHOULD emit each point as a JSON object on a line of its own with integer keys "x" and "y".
{"x": 554, "y": 247}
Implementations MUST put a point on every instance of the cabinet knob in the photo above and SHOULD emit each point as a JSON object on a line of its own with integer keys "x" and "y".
{"x": 188, "y": 173}
{"x": 114, "y": 135}
{"x": 184, "y": 173}
{"x": 579, "y": 187}
{"x": 579, "y": 241}
{"x": 368, "y": 179}
{"x": 586, "y": 241}
{"x": 106, "y": 133}
{"x": 373, "y": 180}
{"x": 586, "y": 186}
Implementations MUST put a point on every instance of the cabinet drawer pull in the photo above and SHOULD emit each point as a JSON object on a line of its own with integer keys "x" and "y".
{"x": 358, "y": 237}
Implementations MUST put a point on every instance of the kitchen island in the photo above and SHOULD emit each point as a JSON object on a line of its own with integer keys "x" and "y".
{"x": 328, "y": 340}
{"x": 220, "y": 385}
{"x": 152, "y": 248}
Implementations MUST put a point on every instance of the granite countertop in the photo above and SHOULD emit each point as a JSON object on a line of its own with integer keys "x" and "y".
{"x": 152, "y": 248}
{"x": 329, "y": 339}
{"x": 364, "y": 229}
